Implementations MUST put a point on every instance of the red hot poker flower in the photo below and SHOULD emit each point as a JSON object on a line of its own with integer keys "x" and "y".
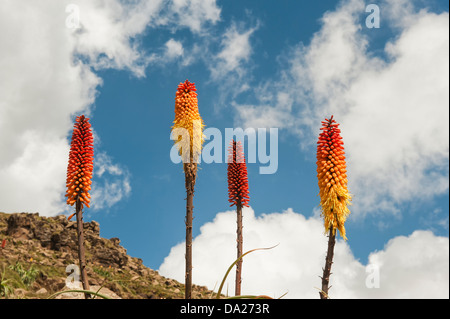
{"x": 331, "y": 173}
{"x": 81, "y": 163}
{"x": 188, "y": 117}
{"x": 238, "y": 192}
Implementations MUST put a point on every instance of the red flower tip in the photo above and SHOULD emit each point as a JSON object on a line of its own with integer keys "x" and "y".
{"x": 238, "y": 192}
{"x": 187, "y": 87}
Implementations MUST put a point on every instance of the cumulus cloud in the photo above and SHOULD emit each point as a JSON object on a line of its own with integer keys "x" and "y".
{"x": 107, "y": 31}
{"x": 194, "y": 14}
{"x": 415, "y": 266}
{"x": 231, "y": 62}
{"x": 40, "y": 87}
{"x": 174, "y": 49}
{"x": 235, "y": 50}
{"x": 112, "y": 182}
{"x": 393, "y": 110}
{"x": 47, "y": 61}
{"x": 109, "y": 192}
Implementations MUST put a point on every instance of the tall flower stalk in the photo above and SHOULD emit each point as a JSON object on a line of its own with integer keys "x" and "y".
{"x": 334, "y": 195}
{"x": 79, "y": 175}
{"x": 238, "y": 195}
{"x": 188, "y": 127}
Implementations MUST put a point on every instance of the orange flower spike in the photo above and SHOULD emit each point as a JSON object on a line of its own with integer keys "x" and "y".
{"x": 188, "y": 117}
{"x": 81, "y": 158}
{"x": 332, "y": 177}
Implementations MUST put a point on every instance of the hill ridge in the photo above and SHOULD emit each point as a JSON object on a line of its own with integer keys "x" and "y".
{"x": 43, "y": 247}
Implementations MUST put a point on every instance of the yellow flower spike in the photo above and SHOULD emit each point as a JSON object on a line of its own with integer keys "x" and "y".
{"x": 188, "y": 118}
{"x": 331, "y": 174}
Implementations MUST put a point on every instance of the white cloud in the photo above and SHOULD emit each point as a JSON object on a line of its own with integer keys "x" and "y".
{"x": 103, "y": 163}
{"x": 111, "y": 191}
{"x": 39, "y": 89}
{"x": 403, "y": 112}
{"x": 230, "y": 65}
{"x": 107, "y": 32}
{"x": 174, "y": 49}
{"x": 416, "y": 266}
{"x": 393, "y": 113}
{"x": 194, "y": 14}
{"x": 47, "y": 78}
{"x": 235, "y": 50}
{"x": 31, "y": 181}
{"x": 265, "y": 115}
{"x": 112, "y": 182}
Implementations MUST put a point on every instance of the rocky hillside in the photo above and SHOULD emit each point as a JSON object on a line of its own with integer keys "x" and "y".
{"x": 37, "y": 250}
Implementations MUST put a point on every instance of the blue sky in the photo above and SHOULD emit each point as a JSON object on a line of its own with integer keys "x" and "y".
{"x": 284, "y": 65}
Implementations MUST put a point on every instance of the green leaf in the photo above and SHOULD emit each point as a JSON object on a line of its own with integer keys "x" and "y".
{"x": 233, "y": 264}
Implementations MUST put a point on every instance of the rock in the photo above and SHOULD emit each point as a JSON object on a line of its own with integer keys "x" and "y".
{"x": 19, "y": 292}
{"x": 93, "y": 282}
{"x": 71, "y": 225}
{"x": 55, "y": 242}
{"x": 21, "y": 233}
{"x": 42, "y": 291}
{"x": 19, "y": 227}
{"x": 91, "y": 227}
{"x": 115, "y": 241}
{"x": 61, "y": 219}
